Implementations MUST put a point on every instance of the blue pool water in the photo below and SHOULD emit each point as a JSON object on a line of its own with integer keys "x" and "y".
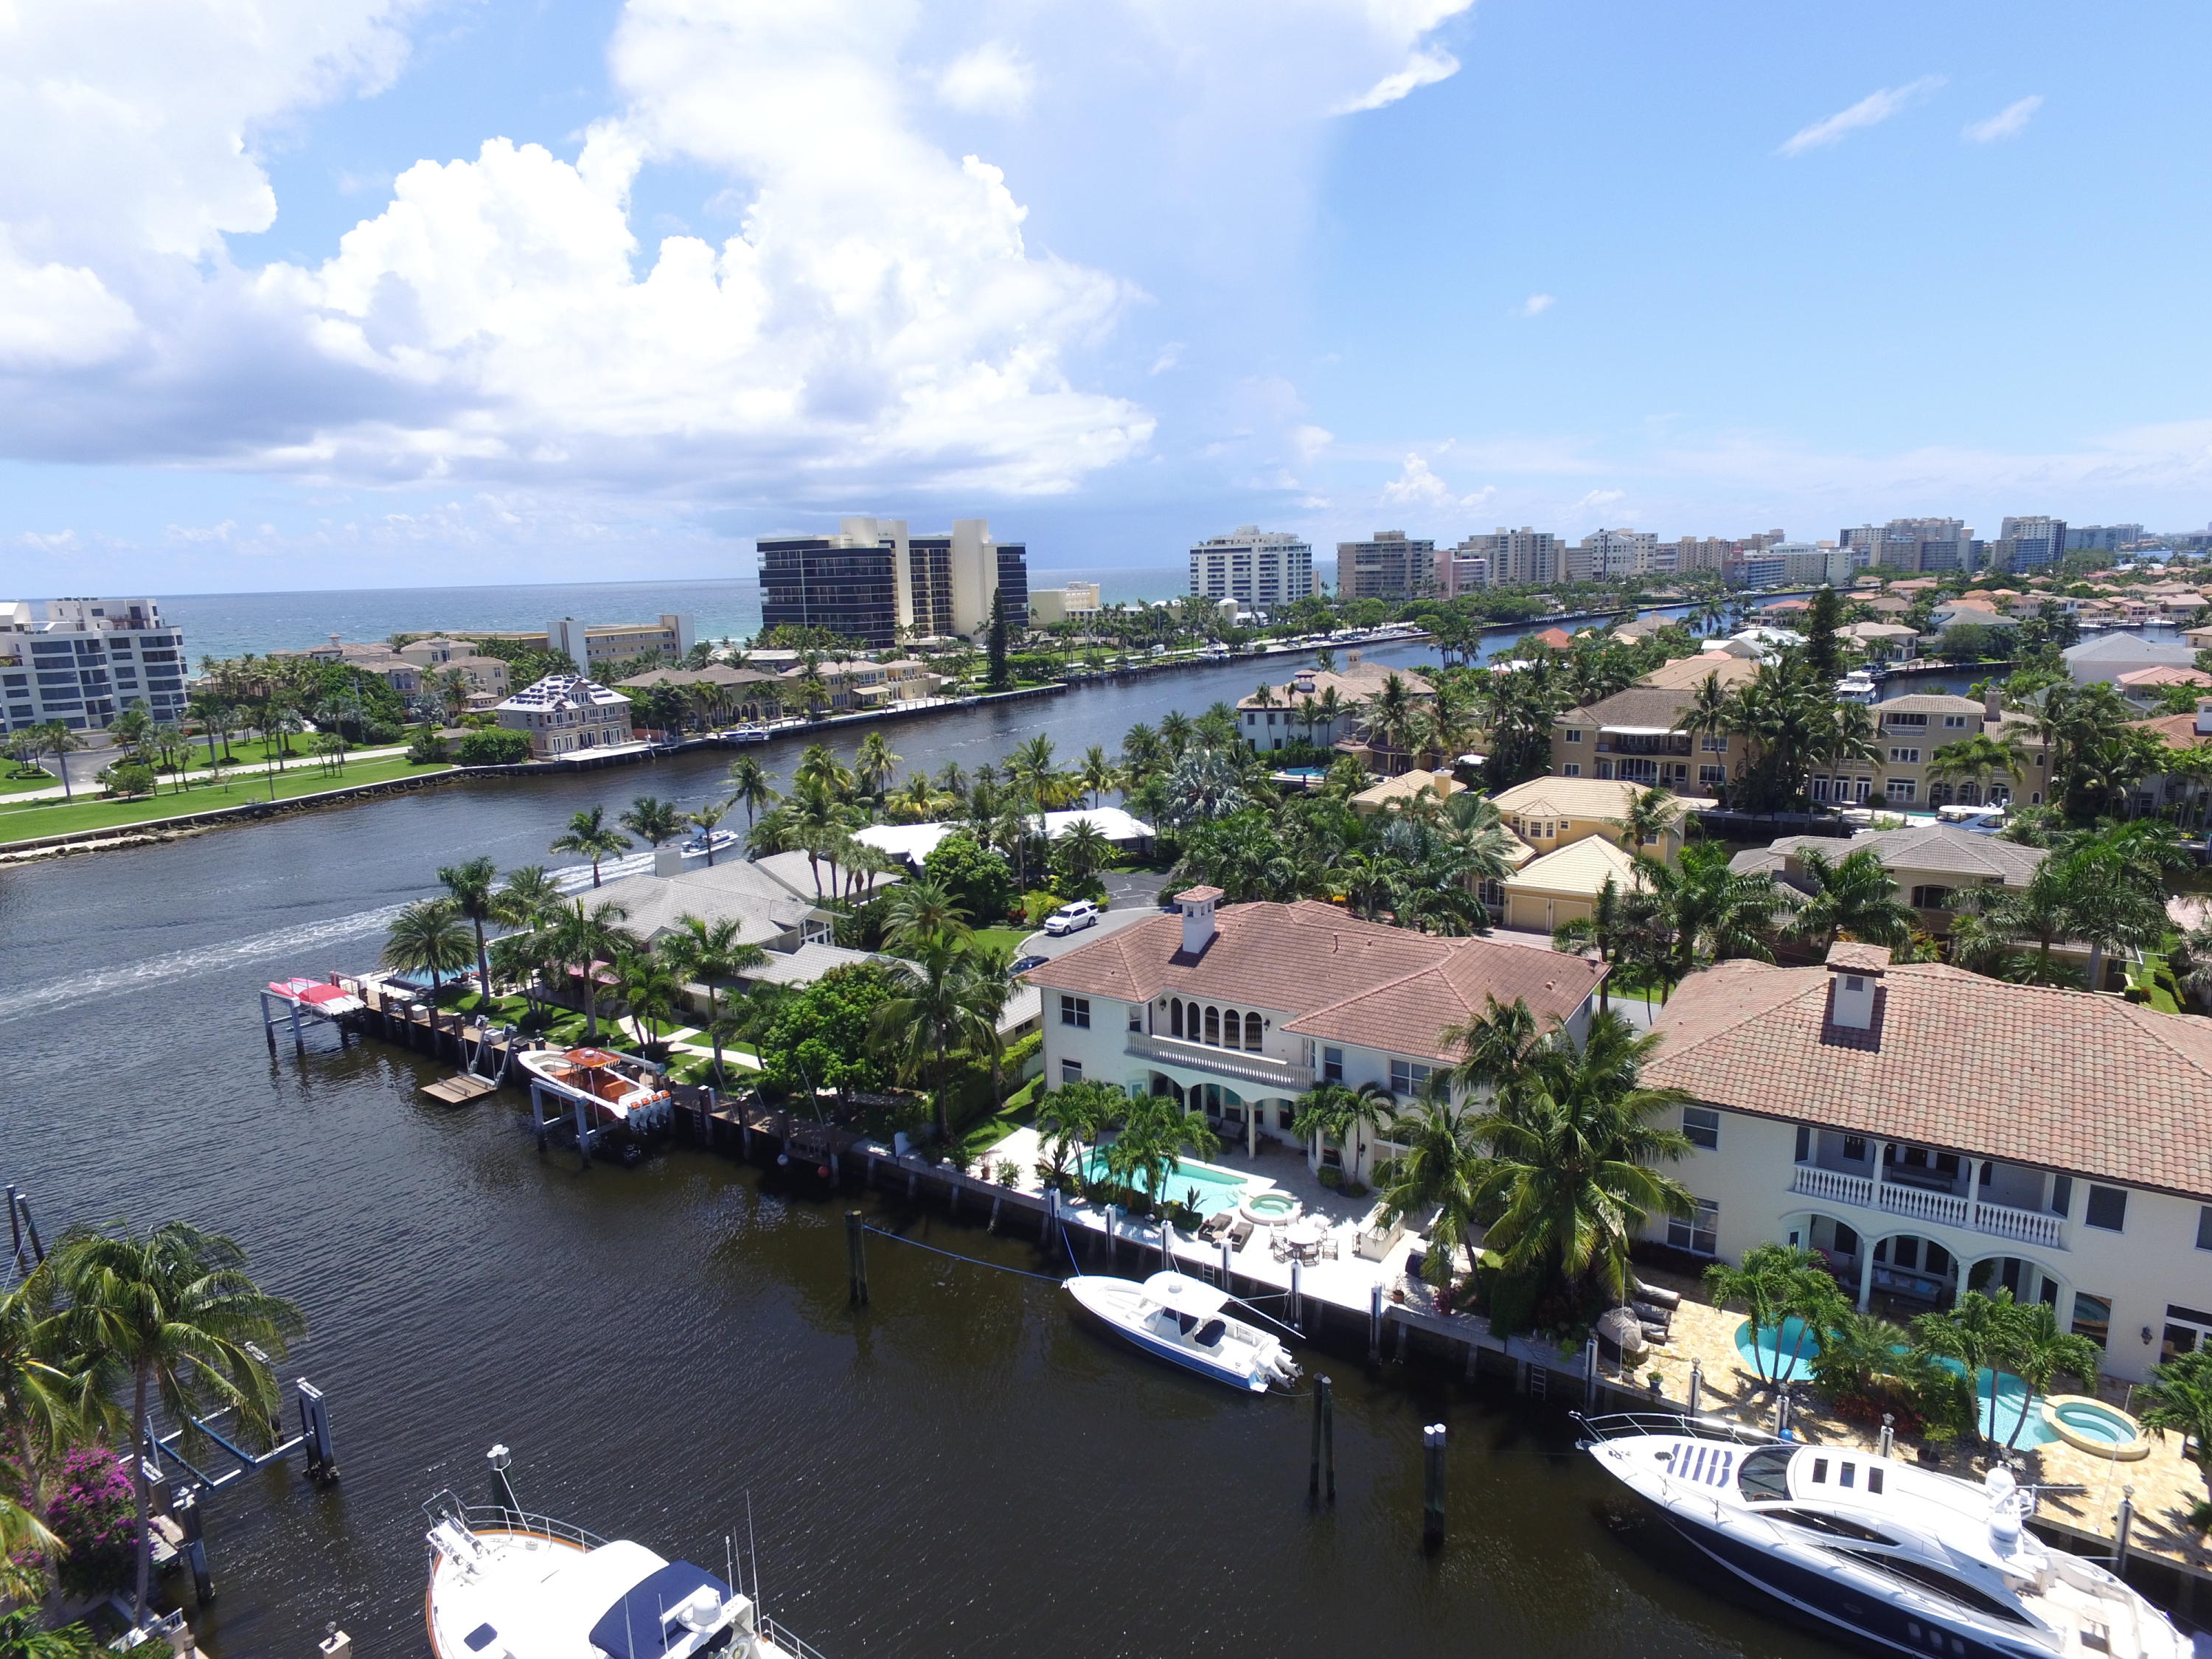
{"x": 1216, "y": 1189}
{"x": 1770, "y": 1352}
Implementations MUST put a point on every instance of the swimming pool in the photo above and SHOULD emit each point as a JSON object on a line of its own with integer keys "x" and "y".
{"x": 1769, "y": 1353}
{"x": 1218, "y": 1189}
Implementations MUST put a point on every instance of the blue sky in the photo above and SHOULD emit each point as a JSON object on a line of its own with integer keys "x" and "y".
{"x": 407, "y": 291}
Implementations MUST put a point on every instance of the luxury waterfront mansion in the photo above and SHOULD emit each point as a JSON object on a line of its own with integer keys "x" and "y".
{"x": 1240, "y": 1011}
{"x": 1930, "y": 1130}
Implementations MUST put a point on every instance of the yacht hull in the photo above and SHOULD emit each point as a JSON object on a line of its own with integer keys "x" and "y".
{"x": 1108, "y": 1301}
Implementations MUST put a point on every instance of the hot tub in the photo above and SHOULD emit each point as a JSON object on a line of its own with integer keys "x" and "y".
{"x": 2091, "y": 1425}
{"x": 1270, "y": 1208}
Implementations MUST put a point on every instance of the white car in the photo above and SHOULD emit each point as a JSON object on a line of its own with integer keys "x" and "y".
{"x": 1069, "y": 918}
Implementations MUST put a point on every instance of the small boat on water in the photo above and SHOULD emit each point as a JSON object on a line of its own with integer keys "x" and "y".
{"x": 1899, "y": 1557}
{"x": 614, "y": 1089}
{"x": 746, "y": 734}
{"x": 1858, "y": 686}
{"x": 721, "y": 842}
{"x": 505, "y": 1584}
{"x": 1181, "y": 1320}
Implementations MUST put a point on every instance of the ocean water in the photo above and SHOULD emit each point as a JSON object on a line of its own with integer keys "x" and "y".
{"x": 231, "y": 624}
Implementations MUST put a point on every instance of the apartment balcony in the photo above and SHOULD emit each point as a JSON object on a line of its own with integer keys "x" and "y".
{"x": 1279, "y": 1075}
{"x": 1922, "y": 1204}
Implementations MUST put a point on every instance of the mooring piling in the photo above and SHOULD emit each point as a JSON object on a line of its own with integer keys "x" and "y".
{"x": 1696, "y": 1385}
{"x": 1432, "y": 1485}
{"x": 1297, "y": 1296}
{"x": 856, "y": 1248}
{"x": 1226, "y": 1250}
{"x": 1323, "y": 1467}
{"x": 186, "y": 1510}
{"x": 1589, "y": 1373}
{"x": 583, "y": 1136}
{"x": 315, "y": 1430}
{"x": 2126, "y": 1527}
{"x": 1375, "y": 1324}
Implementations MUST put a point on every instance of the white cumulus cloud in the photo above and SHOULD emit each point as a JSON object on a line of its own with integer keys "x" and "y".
{"x": 1537, "y": 304}
{"x": 993, "y": 78}
{"x": 1418, "y": 485}
{"x": 2007, "y": 123}
{"x": 1870, "y": 111}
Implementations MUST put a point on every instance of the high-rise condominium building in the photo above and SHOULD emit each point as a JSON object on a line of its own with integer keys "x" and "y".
{"x": 1253, "y": 566}
{"x": 872, "y": 579}
{"x": 2032, "y": 539}
{"x": 1608, "y": 555}
{"x": 1512, "y": 557}
{"x": 2101, "y": 537}
{"x": 87, "y": 661}
{"x": 1917, "y": 545}
{"x": 1390, "y": 566}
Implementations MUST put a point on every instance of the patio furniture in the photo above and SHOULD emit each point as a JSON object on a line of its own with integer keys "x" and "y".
{"x": 1657, "y": 1296}
{"x": 1240, "y": 1231}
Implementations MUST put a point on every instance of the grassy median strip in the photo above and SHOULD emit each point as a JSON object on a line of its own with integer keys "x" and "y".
{"x": 30, "y": 820}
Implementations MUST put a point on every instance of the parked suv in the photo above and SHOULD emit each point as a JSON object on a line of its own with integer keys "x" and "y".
{"x": 1070, "y": 917}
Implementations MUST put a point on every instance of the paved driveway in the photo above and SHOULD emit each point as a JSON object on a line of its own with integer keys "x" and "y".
{"x": 1041, "y": 943}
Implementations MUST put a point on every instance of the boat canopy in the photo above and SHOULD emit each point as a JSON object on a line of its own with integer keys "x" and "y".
{"x": 1193, "y": 1297}
{"x": 646, "y": 1623}
{"x": 590, "y": 1058}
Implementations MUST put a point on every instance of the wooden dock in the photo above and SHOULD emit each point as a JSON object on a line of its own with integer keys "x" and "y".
{"x": 459, "y": 1090}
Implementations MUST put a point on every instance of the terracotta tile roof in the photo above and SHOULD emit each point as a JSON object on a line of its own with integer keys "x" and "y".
{"x": 2163, "y": 674}
{"x": 1328, "y": 975}
{"x": 1407, "y": 786}
{"x": 2174, "y": 730}
{"x": 2059, "y": 1080}
{"x": 1687, "y": 673}
{"x": 1568, "y": 798}
{"x": 1928, "y": 702}
{"x": 1852, "y": 957}
{"x": 1579, "y": 870}
{"x": 1648, "y": 707}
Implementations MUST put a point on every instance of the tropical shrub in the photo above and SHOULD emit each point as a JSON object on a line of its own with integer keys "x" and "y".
{"x": 493, "y": 746}
{"x": 428, "y": 748}
{"x": 130, "y": 779}
{"x": 94, "y": 1513}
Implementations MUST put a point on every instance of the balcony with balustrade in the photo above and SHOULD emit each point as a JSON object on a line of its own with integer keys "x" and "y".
{"x": 1928, "y": 1204}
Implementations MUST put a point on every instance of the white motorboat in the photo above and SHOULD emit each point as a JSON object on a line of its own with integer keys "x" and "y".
{"x": 1181, "y": 1320}
{"x": 1858, "y": 686}
{"x": 722, "y": 841}
{"x": 508, "y": 1585}
{"x": 1900, "y": 1556}
{"x": 614, "y": 1089}
{"x": 746, "y": 734}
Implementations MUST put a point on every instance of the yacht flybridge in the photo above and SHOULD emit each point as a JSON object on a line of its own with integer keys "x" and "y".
{"x": 508, "y": 1585}
{"x": 1898, "y": 1556}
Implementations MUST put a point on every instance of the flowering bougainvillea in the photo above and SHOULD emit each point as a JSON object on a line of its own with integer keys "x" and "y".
{"x": 95, "y": 1514}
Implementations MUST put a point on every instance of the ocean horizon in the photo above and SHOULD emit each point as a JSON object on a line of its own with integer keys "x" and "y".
{"x": 232, "y": 624}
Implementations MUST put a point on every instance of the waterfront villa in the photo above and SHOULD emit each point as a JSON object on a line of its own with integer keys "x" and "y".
{"x": 1929, "y": 1131}
{"x": 1932, "y": 865}
{"x": 1281, "y": 718}
{"x": 567, "y": 714}
{"x": 1637, "y": 734}
{"x": 1236, "y": 1011}
{"x": 1909, "y": 730}
{"x": 1554, "y": 812}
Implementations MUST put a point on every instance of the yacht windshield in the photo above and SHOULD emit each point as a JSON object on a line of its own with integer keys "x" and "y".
{"x": 1765, "y": 1473}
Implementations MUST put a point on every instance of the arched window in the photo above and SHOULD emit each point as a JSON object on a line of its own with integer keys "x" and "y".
{"x": 1231, "y": 1029}
{"x": 1175, "y": 1017}
{"x": 1252, "y": 1032}
{"x": 1213, "y": 1025}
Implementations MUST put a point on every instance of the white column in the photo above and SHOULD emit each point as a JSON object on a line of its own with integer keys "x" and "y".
{"x": 1866, "y": 1271}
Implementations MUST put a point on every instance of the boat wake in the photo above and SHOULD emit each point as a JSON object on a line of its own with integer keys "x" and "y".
{"x": 279, "y": 949}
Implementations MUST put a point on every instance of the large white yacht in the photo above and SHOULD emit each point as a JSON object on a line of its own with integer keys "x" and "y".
{"x": 1898, "y": 1556}
{"x": 508, "y": 1585}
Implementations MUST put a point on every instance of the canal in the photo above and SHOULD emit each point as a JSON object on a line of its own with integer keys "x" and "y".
{"x": 960, "y": 1470}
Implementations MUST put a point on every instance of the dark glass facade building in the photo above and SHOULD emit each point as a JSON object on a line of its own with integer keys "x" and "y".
{"x": 808, "y": 582}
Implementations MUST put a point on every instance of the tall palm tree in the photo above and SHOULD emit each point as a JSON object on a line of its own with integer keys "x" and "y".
{"x": 1439, "y": 1175}
{"x": 919, "y": 911}
{"x": 1083, "y": 851}
{"x": 1979, "y": 758}
{"x": 428, "y": 937}
{"x": 582, "y": 939}
{"x": 1976, "y": 1333}
{"x": 1334, "y": 1114}
{"x": 55, "y": 738}
{"x": 2039, "y": 1353}
{"x": 749, "y": 787}
{"x": 650, "y": 989}
{"x": 47, "y": 1394}
{"x": 1072, "y": 1116}
{"x": 1603, "y": 931}
{"x": 171, "y": 1316}
{"x": 1707, "y": 911}
{"x": 653, "y": 820}
{"x": 1775, "y": 1283}
{"x": 1650, "y": 817}
{"x": 1096, "y": 774}
{"x": 1572, "y": 1140}
{"x": 589, "y": 835}
{"x": 1156, "y": 1131}
{"x": 873, "y": 764}
{"x": 469, "y": 887}
{"x": 948, "y": 997}
{"x": 1851, "y": 894}
{"x": 711, "y": 953}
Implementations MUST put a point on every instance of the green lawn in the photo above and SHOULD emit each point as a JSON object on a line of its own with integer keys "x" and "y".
{"x": 30, "y": 819}
{"x": 1006, "y": 938}
{"x": 17, "y": 786}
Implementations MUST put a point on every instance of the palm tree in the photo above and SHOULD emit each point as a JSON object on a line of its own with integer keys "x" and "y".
{"x": 1977, "y": 1334}
{"x": 1853, "y": 895}
{"x": 919, "y": 911}
{"x": 1437, "y": 1175}
{"x": 428, "y": 937}
{"x": 2178, "y": 1399}
{"x": 2040, "y": 1354}
{"x": 874, "y": 764}
{"x": 749, "y": 787}
{"x": 1082, "y": 850}
{"x": 1776, "y": 1283}
{"x": 711, "y": 953}
{"x": 469, "y": 888}
{"x": 526, "y": 898}
{"x": 589, "y": 835}
{"x": 173, "y": 1315}
{"x": 1856, "y": 1349}
{"x": 649, "y": 988}
{"x": 582, "y": 939}
{"x": 949, "y": 997}
{"x": 55, "y": 738}
{"x": 1571, "y": 1141}
{"x": 210, "y": 707}
{"x": 1977, "y": 759}
{"x": 1602, "y": 931}
{"x": 1707, "y": 912}
{"x": 1651, "y": 818}
{"x": 1072, "y": 1116}
{"x": 1334, "y": 1114}
{"x": 706, "y": 818}
{"x": 1156, "y": 1131}
{"x": 1097, "y": 775}
{"x": 653, "y": 820}
{"x": 47, "y": 1396}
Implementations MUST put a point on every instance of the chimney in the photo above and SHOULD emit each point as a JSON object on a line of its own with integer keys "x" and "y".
{"x": 667, "y": 860}
{"x": 1854, "y": 974}
{"x": 1353, "y": 658}
{"x": 1197, "y": 906}
{"x": 1992, "y": 701}
{"x": 2204, "y": 717}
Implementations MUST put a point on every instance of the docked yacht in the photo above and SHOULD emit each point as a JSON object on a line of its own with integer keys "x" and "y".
{"x": 1858, "y": 686}
{"x": 1181, "y": 1320}
{"x": 1898, "y": 1556}
{"x": 614, "y": 1089}
{"x": 508, "y": 1585}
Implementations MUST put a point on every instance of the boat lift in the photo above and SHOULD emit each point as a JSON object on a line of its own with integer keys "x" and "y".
{"x": 314, "y": 1439}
